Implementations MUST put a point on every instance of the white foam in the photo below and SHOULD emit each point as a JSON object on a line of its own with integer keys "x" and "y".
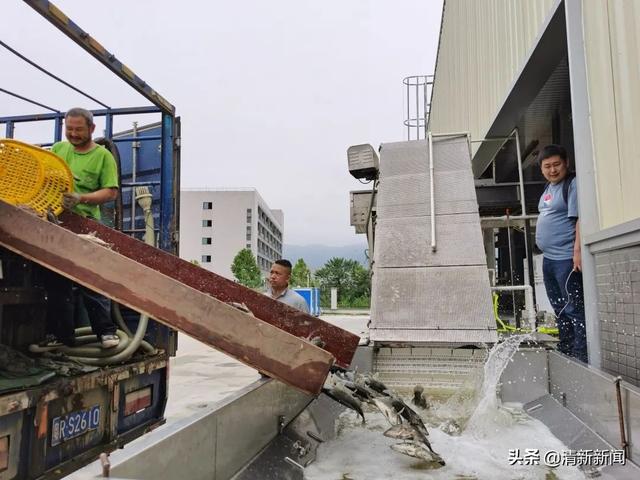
{"x": 361, "y": 452}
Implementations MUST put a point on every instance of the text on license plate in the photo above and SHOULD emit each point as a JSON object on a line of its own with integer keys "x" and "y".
{"x": 74, "y": 424}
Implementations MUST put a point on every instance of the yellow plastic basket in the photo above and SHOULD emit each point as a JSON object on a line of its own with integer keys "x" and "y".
{"x": 32, "y": 176}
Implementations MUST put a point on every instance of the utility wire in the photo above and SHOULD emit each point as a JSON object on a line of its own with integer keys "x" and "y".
{"x": 19, "y": 55}
{"x": 28, "y": 100}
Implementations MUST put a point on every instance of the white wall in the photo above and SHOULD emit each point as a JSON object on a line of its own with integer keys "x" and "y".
{"x": 612, "y": 51}
{"x": 229, "y": 229}
{"x": 483, "y": 45}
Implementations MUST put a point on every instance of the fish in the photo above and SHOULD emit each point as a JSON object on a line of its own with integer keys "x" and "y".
{"x": 401, "y": 432}
{"x": 418, "y": 451}
{"x": 451, "y": 427}
{"x": 347, "y": 379}
{"x": 409, "y": 414}
{"x": 413, "y": 419}
{"x": 376, "y": 385}
{"x": 386, "y": 408}
{"x": 345, "y": 398}
{"x": 361, "y": 392}
{"x": 343, "y": 373}
{"x": 418, "y": 397}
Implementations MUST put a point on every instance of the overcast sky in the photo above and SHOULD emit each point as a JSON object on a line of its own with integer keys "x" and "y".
{"x": 271, "y": 93}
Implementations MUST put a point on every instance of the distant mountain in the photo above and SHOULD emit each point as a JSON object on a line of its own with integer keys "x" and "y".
{"x": 315, "y": 256}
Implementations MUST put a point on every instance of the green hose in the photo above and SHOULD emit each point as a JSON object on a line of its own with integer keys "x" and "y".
{"x": 503, "y": 326}
{"x": 508, "y": 328}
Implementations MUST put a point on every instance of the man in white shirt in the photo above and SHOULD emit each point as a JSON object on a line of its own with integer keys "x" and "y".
{"x": 279, "y": 286}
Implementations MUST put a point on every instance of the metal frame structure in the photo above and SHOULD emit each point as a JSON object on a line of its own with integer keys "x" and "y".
{"x": 169, "y": 171}
{"x": 432, "y": 199}
{"x": 33, "y": 404}
{"x": 515, "y": 134}
{"x": 583, "y": 144}
{"x": 418, "y": 93}
{"x": 168, "y": 182}
{"x": 67, "y": 26}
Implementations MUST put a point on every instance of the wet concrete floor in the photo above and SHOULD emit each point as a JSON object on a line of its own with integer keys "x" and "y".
{"x": 201, "y": 376}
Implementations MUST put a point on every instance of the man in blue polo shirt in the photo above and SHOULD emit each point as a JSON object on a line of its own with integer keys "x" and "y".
{"x": 558, "y": 236}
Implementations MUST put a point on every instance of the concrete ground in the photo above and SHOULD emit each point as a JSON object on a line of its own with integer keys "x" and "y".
{"x": 200, "y": 376}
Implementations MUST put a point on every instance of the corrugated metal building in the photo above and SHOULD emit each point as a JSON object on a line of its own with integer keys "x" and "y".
{"x": 564, "y": 72}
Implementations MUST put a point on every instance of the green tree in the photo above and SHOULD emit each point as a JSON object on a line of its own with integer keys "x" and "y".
{"x": 300, "y": 274}
{"x": 350, "y": 278}
{"x": 245, "y": 269}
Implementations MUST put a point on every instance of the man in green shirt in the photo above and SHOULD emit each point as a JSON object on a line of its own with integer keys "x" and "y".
{"x": 95, "y": 176}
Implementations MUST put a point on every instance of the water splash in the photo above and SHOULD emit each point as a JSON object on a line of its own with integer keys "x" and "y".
{"x": 361, "y": 452}
{"x": 489, "y": 412}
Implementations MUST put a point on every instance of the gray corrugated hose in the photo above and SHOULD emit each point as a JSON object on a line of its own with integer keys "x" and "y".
{"x": 90, "y": 351}
{"x": 119, "y": 354}
{"x": 94, "y": 355}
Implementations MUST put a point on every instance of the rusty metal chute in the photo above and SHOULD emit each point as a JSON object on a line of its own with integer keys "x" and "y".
{"x": 183, "y": 296}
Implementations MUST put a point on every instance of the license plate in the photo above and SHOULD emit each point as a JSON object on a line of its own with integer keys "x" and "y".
{"x": 74, "y": 424}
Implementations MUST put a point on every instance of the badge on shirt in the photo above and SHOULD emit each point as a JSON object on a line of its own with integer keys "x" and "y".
{"x": 546, "y": 199}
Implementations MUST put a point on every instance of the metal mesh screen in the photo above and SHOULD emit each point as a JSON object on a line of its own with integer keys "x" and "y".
{"x": 461, "y": 233}
{"x": 420, "y": 296}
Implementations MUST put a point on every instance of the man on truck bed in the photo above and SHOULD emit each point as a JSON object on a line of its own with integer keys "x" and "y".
{"x": 279, "y": 286}
{"x": 95, "y": 182}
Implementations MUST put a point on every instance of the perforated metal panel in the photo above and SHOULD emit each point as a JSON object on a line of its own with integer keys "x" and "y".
{"x": 454, "y": 193}
{"x": 421, "y": 209}
{"x": 452, "y": 154}
{"x": 420, "y": 336}
{"x": 420, "y": 296}
{"x": 411, "y": 237}
{"x": 404, "y": 158}
{"x": 432, "y": 298}
{"x": 433, "y": 368}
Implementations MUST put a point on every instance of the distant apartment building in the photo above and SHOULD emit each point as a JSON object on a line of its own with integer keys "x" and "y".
{"x": 215, "y": 224}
